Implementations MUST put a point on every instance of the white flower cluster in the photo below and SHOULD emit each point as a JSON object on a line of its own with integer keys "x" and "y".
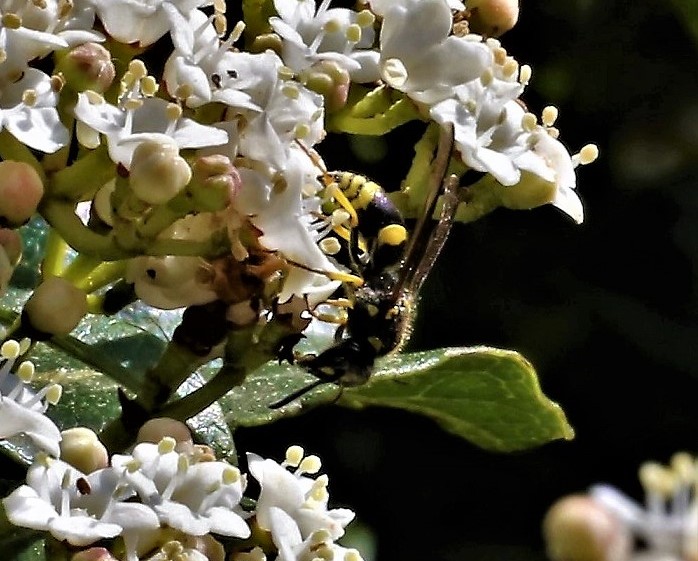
{"x": 22, "y": 409}
{"x": 170, "y": 492}
{"x": 606, "y": 525}
{"x": 255, "y": 109}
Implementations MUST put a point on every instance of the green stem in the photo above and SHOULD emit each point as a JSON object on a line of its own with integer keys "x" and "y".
{"x": 13, "y": 149}
{"x": 81, "y": 180}
{"x": 244, "y": 354}
{"x": 401, "y": 112}
{"x": 417, "y": 179}
{"x": 101, "y": 276}
{"x": 370, "y": 103}
{"x": 80, "y": 267}
{"x": 53, "y": 263}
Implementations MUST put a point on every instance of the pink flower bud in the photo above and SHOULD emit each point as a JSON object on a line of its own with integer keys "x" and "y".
{"x": 577, "y": 528}
{"x": 88, "y": 67}
{"x": 492, "y": 18}
{"x": 21, "y": 190}
{"x": 56, "y": 307}
{"x": 11, "y": 242}
{"x": 93, "y": 554}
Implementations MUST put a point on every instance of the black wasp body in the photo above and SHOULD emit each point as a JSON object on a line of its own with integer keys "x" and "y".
{"x": 387, "y": 269}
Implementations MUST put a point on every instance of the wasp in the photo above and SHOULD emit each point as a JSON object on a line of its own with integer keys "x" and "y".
{"x": 388, "y": 266}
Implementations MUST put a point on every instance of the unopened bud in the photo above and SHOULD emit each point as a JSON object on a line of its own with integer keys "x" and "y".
{"x": 21, "y": 190}
{"x": 492, "y": 18}
{"x": 216, "y": 182}
{"x": 11, "y": 242}
{"x": 81, "y": 448}
{"x": 158, "y": 172}
{"x": 93, "y": 554}
{"x": 155, "y": 430}
{"x": 331, "y": 81}
{"x": 577, "y": 528}
{"x": 56, "y": 307}
{"x": 88, "y": 67}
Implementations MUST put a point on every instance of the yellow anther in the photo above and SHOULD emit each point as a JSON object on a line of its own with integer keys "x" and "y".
{"x": 301, "y": 131}
{"x": 9, "y": 350}
{"x": 588, "y": 154}
{"x": 173, "y": 111}
{"x": 24, "y": 345}
{"x": 149, "y": 86}
{"x": 11, "y": 20}
{"x": 219, "y": 6}
{"x": 290, "y": 91}
{"x": 25, "y": 372}
{"x": 332, "y": 26}
{"x": 353, "y": 555}
{"x": 553, "y": 132}
{"x": 339, "y": 216}
{"x": 237, "y": 31}
{"x": 54, "y": 393}
{"x": 294, "y": 455}
{"x": 336, "y": 193}
{"x": 230, "y": 475}
{"x": 220, "y": 23}
{"x": 510, "y": 67}
{"x": 365, "y": 18}
{"x": 549, "y": 115}
{"x": 525, "y": 74}
{"x": 486, "y": 77}
{"x": 41, "y": 4}
{"x": 133, "y": 104}
{"x": 183, "y": 91}
{"x": 393, "y": 234}
{"x": 137, "y": 68}
{"x": 330, "y": 246}
{"x": 285, "y": 73}
{"x": 500, "y": 55}
{"x": 166, "y": 445}
{"x": 93, "y": 97}
{"x": 57, "y": 82}
{"x": 529, "y": 122}
{"x": 353, "y": 33}
{"x": 657, "y": 479}
{"x": 3, "y": 55}
{"x": 29, "y": 97}
{"x": 310, "y": 464}
{"x": 684, "y": 466}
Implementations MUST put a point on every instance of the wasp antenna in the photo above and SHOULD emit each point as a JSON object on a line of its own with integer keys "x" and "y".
{"x": 313, "y": 155}
{"x": 299, "y": 393}
{"x": 332, "y": 275}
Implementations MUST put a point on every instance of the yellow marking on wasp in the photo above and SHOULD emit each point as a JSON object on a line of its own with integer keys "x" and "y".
{"x": 392, "y": 234}
{"x": 366, "y": 195}
{"x": 344, "y": 277}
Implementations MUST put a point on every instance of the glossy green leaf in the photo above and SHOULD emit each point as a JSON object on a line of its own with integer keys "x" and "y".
{"x": 490, "y": 397}
{"x": 688, "y": 13}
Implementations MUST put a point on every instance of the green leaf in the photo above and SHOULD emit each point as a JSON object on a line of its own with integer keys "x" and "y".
{"x": 20, "y": 544}
{"x": 490, "y": 397}
{"x": 688, "y": 12}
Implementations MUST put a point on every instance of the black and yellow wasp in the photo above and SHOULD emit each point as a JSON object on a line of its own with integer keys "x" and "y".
{"x": 388, "y": 269}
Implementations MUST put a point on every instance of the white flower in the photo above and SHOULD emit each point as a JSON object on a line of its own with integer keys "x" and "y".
{"x": 301, "y": 498}
{"x": 668, "y": 524}
{"x": 313, "y": 34}
{"x": 146, "y": 119}
{"x": 21, "y": 409}
{"x": 141, "y": 21}
{"x": 420, "y": 57}
{"x": 28, "y": 112}
{"x": 195, "y": 499}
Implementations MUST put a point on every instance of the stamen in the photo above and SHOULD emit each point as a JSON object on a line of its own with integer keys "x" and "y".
{"x": 365, "y": 18}
{"x": 294, "y": 456}
{"x": 330, "y": 246}
{"x": 25, "y": 372}
{"x": 10, "y": 350}
{"x": 65, "y": 494}
{"x": 525, "y": 74}
{"x": 310, "y": 464}
{"x": 138, "y": 69}
{"x": 149, "y": 86}
{"x": 549, "y": 115}
{"x": 11, "y": 20}
{"x": 182, "y": 467}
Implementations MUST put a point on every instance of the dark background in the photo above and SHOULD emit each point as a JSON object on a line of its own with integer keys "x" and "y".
{"x": 606, "y": 311}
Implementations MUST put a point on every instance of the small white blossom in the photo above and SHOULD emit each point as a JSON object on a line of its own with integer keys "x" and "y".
{"x": 21, "y": 409}
{"x": 668, "y": 524}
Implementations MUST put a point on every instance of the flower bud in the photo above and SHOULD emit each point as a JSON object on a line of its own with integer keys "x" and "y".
{"x": 216, "y": 182}
{"x": 93, "y": 554}
{"x": 158, "y": 172}
{"x": 492, "y": 18}
{"x": 56, "y": 307}
{"x": 81, "y": 448}
{"x": 530, "y": 192}
{"x": 11, "y": 242}
{"x": 577, "y": 528}
{"x": 21, "y": 190}
{"x": 331, "y": 81}
{"x": 155, "y": 430}
{"x": 88, "y": 67}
